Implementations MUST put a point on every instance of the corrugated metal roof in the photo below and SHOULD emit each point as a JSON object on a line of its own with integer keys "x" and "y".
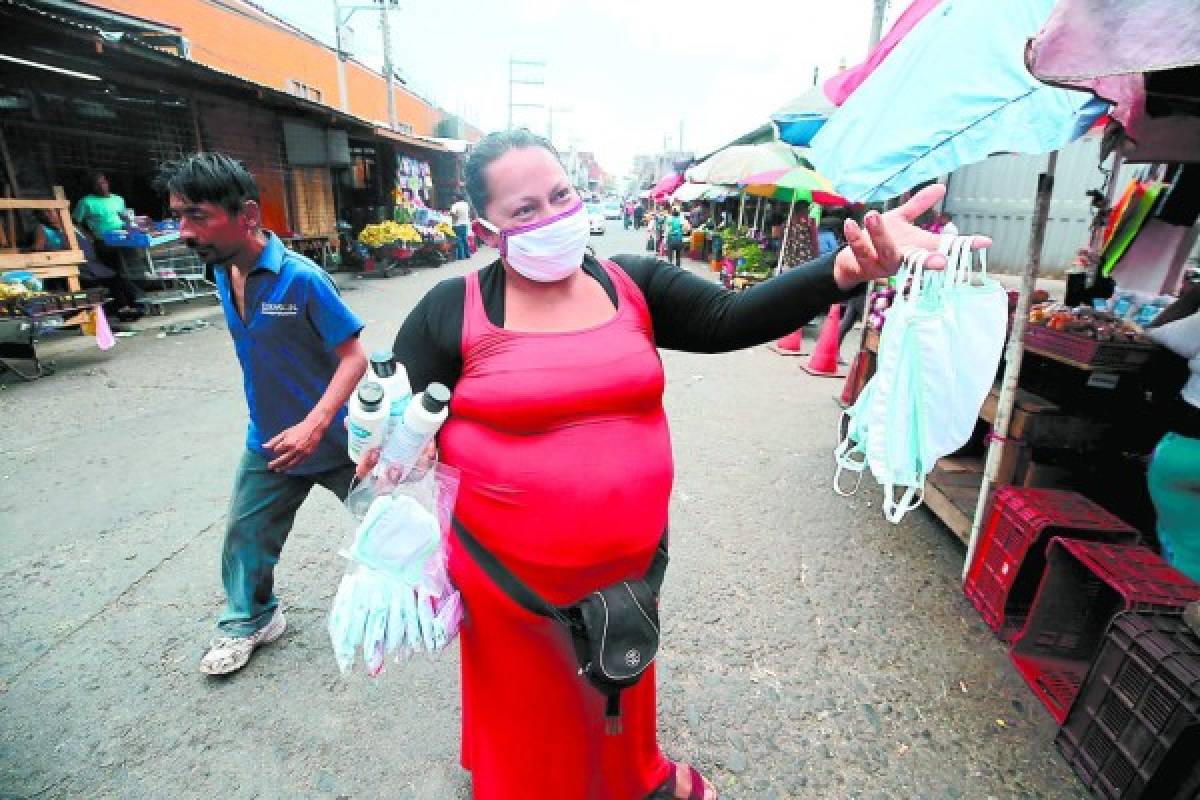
{"x": 410, "y": 139}
{"x": 131, "y": 44}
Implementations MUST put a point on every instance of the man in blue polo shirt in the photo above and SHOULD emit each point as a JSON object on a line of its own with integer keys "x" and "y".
{"x": 301, "y": 359}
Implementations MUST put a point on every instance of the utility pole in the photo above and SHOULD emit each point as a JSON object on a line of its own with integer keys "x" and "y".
{"x": 513, "y": 80}
{"x": 385, "y": 6}
{"x": 342, "y": 15}
{"x": 342, "y": 55}
{"x": 877, "y": 23}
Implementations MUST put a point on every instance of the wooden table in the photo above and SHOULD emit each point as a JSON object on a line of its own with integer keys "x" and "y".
{"x": 66, "y": 272}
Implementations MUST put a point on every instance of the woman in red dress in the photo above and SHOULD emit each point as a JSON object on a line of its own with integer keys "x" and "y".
{"x": 557, "y": 425}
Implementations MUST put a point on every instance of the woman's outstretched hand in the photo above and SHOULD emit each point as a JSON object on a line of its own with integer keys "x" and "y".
{"x": 876, "y": 251}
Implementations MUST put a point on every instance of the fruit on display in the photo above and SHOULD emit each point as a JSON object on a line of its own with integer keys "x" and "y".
{"x": 444, "y": 229}
{"x": 20, "y": 295}
{"x": 1087, "y": 322}
{"x": 388, "y": 232}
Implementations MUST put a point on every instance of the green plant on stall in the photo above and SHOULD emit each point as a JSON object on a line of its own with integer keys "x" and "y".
{"x": 753, "y": 264}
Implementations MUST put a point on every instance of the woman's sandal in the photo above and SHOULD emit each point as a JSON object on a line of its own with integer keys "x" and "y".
{"x": 699, "y": 785}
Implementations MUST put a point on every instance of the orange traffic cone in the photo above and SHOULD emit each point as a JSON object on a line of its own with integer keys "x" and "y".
{"x": 824, "y": 360}
{"x": 789, "y": 345}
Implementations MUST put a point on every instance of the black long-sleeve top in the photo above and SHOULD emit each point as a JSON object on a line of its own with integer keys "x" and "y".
{"x": 688, "y": 312}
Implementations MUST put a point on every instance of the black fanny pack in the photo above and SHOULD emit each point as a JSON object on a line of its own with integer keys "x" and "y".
{"x": 614, "y": 629}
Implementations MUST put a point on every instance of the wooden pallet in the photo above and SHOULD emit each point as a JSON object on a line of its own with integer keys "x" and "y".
{"x": 952, "y": 492}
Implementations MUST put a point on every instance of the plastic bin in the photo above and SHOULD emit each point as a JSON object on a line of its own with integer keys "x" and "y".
{"x": 1011, "y": 556}
{"x": 1084, "y": 586}
{"x": 1134, "y": 731}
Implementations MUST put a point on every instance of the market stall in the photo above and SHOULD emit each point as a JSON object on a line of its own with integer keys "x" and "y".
{"x": 40, "y": 291}
{"x": 417, "y": 237}
{"x": 1069, "y": 577}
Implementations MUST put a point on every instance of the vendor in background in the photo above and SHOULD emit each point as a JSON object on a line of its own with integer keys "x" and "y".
{"x": 47, "y": 232}
{"x": 460, "y": 213}
{"x": 48, "y": 235}
{"x": 1174, "y": 474}
{"x": 101, "y": 211}
{"x": 98, "y": 213}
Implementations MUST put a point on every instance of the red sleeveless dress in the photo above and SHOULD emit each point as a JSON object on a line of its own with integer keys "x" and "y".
{"x": 566, "y": 474}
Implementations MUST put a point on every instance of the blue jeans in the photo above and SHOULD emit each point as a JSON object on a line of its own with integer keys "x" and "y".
{"x": 461, "y": 249}
{"x": 261, "y": 512}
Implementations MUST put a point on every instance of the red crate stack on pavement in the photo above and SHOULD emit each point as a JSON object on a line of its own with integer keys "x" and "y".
{"x": 1134, "y": 731}
{"x": 1011, "y": 556}
{"x": 1084, "y": 586}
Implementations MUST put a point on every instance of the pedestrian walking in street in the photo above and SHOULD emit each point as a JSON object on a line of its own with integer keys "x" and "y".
{"x": 676, "y": 228}
{"x": 558, "y": 428}
{"x": 460, "y": 214}
{"x": 298, "y": 346}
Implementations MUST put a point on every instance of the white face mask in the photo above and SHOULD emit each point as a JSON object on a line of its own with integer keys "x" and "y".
{"x": 548, "y": 250}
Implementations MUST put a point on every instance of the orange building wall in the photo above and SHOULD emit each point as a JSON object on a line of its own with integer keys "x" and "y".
{"x": 236, "y": 38}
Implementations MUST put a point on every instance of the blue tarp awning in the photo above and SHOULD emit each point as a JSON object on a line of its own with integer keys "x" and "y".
{"x": 953, "y": 91}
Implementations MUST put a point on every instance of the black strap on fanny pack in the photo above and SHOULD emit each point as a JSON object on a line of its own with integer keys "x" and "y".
{"x": 579, "y": 617}
{"x": 530, "y": 600}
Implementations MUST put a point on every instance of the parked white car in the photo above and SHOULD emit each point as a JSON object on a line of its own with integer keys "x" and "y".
{"x": 595, "y": 218}
{"x": 612, "y": 210}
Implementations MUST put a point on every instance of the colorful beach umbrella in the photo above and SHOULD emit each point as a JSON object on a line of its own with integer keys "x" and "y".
{"x": 797, "y": 184}
{"x": 729, "y": 166}
{"x": 666, "y": 184}
{"x": 689, "y": 192}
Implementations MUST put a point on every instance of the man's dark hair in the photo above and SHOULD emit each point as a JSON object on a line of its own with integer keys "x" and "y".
{"x": 487, "y": 150}
{"x": 209, "y": 178}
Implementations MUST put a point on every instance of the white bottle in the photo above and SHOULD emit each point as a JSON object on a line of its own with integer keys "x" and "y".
{"x": 421, "y": 421}
{"x": 391, "y": 375}
{"x": 366, "y": 419}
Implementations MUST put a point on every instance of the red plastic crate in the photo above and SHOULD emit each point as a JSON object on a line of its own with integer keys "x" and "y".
{"x": 1084, "y": 586}
{"x": 1134, "y": 731}
{"x": 1011, "y": 555}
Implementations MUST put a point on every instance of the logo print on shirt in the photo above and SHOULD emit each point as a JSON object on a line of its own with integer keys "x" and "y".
{"x": 280, "y": 309}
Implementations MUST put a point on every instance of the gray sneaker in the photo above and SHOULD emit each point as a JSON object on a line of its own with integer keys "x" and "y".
{"x": 230, "y": 653}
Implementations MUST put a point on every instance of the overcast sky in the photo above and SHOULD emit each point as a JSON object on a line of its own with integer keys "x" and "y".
{"x": 630, "y": 71}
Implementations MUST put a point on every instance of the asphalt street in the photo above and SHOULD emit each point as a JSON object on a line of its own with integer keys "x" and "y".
{"x": 810, "y": 648}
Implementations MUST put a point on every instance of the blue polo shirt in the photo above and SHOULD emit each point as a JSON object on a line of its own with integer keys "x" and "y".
{"x": 295, "y": 318}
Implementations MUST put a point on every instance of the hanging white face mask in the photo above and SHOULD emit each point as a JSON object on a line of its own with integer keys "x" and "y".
{"x": 547, "y": 250}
